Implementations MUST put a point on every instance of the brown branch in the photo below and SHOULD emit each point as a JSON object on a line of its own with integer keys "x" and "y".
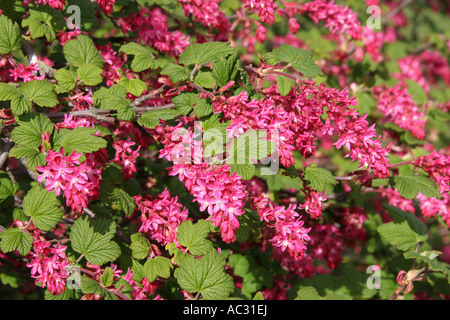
{"x": 396, "y": 10}
{"x": 32, "y": 58}
{"x": 5, "y": 152}
{"x": 149, "y": 96}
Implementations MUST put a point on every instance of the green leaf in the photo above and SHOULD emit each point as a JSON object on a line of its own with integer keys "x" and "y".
{"x": 40, "y": 92}
{"x": 185, "y": 102}
{"x": 310, "y": 293}
{"x": 32, "y": 154}
{"x": 107, "y": 277}
{"x": 245, "y": 150}
{"x": 205, "y": 275}
{"x": 80, "y": 139}
{"x": 134, "y": 86}
{"x": 43, "y": 207}
{"x": 10, "y": 36}
{"x": 89, "y": 285}
{"x": 366, "y": 103}
{"x": 30, "y": 129}
{"x": 44, "y": 21}
{"x": 117, "y": 198}
{"x": 176, "y": 72}
{"x": 249, "y": 226}
{"x": 112, "y": 191}
{"x": 92, "y": 238}
{"x": 410, "y": 185}
{"x": 278, "y": 181}
{"x": 205, "y": 52}
{"x": 429, "y": 259}
{"x": 284, "y": 85}
{"x": 405, "y": 232}
{"x": 254, "y": 276}
{"x": 245, "y": 170}
{"x": 20, "y": 105}
{"x": 317, "y": 178}
{"x": 205, "y": 80}
{"x": 416, "y": 91}
{"x": 192, "y": 236}
{"x": 8, "y": 91}
{"x": 157, "y": 267}
{"x": 15, "y": 239}
{"x": 81, "y": 51}
{"x": 139, "y": 246}
{"x": 151, "y": 119}
{"x": 414, "y": 223}
{"x": 226, "y": 70}
{"x": 299, "y": 59}
{"x": 66, "y": 80}
{"x": 7, "y": 189}
{"x": 143, "y": 56}
{"x": 90, "y": 74}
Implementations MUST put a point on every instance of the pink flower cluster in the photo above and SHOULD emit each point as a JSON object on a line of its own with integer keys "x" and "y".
{"x": 313, "y": 202}
{"x": 437, "y": 165}
{"x": 397, "y": 106}
{"x": 327, "y": 244}
{"x": 395, "y": 199}
{"x": 264, "y": 8}
{"x": 126, "y": 157}
{"x": 152, "y": 29}
{"x": 55, "y": 4}
{"x": 77, "y": 182}
{"x": 26, "y": 73}
{"x": 263, "y": 116}
{"x": 207, "y": 12}
{"x": 161, "y": 215}
{"x": 140, "y": 292}
{"x": 290, "y": 235}
{"x": 80, "y": 100}
{"x": 296, "y": 120}
{"x": 424, "y": 68}
{"x": 353, "y": 131}
{"x": 356, "y": 135}
{"x": 411, "y": 68}
{"x": 432, "y": 207}
{"x": 373, "y": 42}
{"x": 352, "y": 223}
{"x": 112, "y": 69}
{"x": 217, "y": 191}
{"x": 49, "y": 266}
{"x": 338, "y": 19}
{"x": 106, "y": 6}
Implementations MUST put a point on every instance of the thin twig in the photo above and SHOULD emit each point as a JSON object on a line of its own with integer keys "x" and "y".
{"x": 149, "y": 96}
{"x": 396, "y": 10}
{"x": 5, "y": 152}
{"x": 32, "y": 58}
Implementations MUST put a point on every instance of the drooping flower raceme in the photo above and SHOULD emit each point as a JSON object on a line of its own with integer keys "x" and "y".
{"x": 78, "y": 182}
{"x": 290, "y": 234}
{"x": 49, "y": 266}
{"x": 397, "y": 106}
{"x": 126, "y": 157}
{"x": 338, "y": 19}
{"x": 161, "y": 215}
{"x": 264, "y": 8}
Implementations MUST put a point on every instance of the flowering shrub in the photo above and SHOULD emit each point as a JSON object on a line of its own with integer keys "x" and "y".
{"x": 254, "y": 149}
